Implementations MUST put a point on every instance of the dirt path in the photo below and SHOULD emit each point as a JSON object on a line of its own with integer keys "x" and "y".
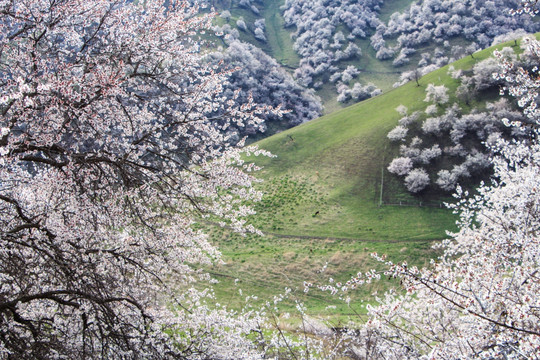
{"x": 309, "y": 237}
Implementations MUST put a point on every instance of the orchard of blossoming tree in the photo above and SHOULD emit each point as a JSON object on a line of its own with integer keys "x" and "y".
{"x": 115, "y": 138}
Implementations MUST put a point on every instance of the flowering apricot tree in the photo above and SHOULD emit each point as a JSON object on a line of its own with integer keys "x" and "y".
{"x": 108, "y": 150}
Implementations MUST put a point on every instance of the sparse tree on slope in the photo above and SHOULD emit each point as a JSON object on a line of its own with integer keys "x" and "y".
{"x": 437, "y": 94}
{"x": 400, "y": 166}
{"x": 416, "y": 180}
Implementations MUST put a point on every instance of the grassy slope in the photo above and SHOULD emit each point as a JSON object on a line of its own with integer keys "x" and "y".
{"x": 345, "y": 154}
{"x": 322, "y": 205}
{"x": 279, "y": 40}
{"x": 279, "y": 44}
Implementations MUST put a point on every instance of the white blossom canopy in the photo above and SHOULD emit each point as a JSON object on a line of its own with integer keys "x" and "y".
{"x": 108, "y": 149}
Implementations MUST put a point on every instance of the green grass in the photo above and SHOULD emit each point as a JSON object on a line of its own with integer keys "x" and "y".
{"x": 322, "y": 204}
{"x": 279, "y": 40}
{"x": 265, "y": 266}
{"x": 344, "y": 154}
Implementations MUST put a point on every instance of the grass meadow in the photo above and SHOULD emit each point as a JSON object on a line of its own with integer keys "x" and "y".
{"x": 325, "y": 206}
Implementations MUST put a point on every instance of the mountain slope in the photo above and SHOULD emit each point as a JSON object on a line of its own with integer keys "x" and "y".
{"x": 322, "y": 205}
{"x": 344, "y": 156}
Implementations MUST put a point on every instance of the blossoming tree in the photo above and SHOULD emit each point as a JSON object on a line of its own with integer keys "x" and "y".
{"x": 108, "y": 150}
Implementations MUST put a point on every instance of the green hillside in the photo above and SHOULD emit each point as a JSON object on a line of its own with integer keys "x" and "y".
{"x": 329, "y": 199}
